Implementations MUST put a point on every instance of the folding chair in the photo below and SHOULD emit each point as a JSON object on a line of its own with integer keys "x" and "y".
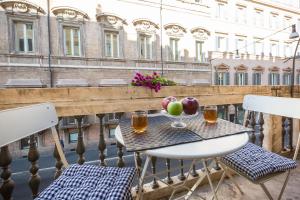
{"x": 255, "y": 163}
{"x": 76, "y": 181}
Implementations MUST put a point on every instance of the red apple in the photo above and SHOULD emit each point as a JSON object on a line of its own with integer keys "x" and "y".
{"x": 166, "y": 101}
{"x": 190, "y": 105}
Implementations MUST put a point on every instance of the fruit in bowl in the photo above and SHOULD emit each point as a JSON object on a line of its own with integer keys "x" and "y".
{"x": 190, "y": 105}
{"x": 166, "y": 101}
{"x": 175, "y": 108}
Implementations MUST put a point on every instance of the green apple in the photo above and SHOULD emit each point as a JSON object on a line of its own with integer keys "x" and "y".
{"x": 175, "y": 108}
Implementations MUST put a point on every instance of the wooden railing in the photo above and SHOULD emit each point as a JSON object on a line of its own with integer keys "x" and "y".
{"x": 80, "y": 102}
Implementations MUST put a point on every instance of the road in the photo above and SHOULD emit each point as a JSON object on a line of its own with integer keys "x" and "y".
{"x": 46, "y": 163}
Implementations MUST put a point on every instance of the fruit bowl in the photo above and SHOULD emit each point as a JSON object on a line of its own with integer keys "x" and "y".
{"x": 178, "y": 119}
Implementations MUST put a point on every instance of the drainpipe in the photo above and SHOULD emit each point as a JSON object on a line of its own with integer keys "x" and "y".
{"x": 49, "y": 44}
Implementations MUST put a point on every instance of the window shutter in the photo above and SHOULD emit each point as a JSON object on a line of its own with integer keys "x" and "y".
{"x": 216, "y": 43}
{"x": 253, "y": 79}
{"x": 259, "y": 79}
{"x": 297, "y": 79}
{"x": 246, "y": 78}
{"x": 236, "y": 78}
{"x": 278, "y": 79}
{"x": 227, "y": 78}
{"x": 284, "y": 79}
{"x": 270, "y": 83}
{"x": 216, "y": 78}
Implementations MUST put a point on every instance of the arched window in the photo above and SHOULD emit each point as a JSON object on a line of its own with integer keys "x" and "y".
{"x": 274, "y": 76}
{"x": 201, "y": 36}
{"x": 222, "y": 75}
{"x": 241, "y": 75}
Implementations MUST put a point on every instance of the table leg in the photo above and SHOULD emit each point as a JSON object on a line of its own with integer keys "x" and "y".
{"x": 209, "y": 179}
{"x": 141, "y": 180}
{"x": 230, "y": 177}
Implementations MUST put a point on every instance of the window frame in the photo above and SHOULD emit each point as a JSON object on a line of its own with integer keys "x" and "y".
{"x": 139, "y": 42}
{"x": 173, "y": 53}
{"x": 111, "y": 32}
{"x": 72, "y": 28}
{"x": 11, "y": 32}
{"x": 255, "y": 80}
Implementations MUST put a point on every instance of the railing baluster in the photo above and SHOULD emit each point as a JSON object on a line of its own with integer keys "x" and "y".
{"x": 80, "y": 149}
{"x": 283, "y": 134}
{"x": 252, "y": 125}
{"x": 153, "y": 167}
{"x": 261, "y": 123}
{"x": 290, "y": 134}
{"x": 168, "y": 164}
{"x": 181, "y": 176}
{"x": 8, "y": 184}
{"x": 194, "y": 172}
{"x": 102, "y": 144}
{"x": 33, "y": 156}
{"x": 138, "y": 161}
{"x": 120, "y": 155}
{"x": 58, "y": 164}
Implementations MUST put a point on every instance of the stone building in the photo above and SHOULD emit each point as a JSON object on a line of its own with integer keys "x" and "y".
{"x": 100, "y": 43}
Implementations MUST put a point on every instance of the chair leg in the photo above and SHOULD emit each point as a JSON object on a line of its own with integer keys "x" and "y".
{"x": 266, "y": 191}
{"x": 284, "y": 184}
{"x": 141, "y": 180}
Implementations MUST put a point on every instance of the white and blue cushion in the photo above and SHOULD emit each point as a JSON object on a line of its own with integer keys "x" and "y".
{"x": 255, "y": 162}
{"x": 90, "y": 182}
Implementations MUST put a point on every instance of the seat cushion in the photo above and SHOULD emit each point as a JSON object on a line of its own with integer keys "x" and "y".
{"x": 90, "y": 182}
{"x": 255, "y": 162}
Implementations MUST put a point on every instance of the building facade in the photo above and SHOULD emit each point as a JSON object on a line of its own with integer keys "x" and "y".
{"x": 218, "y": 42}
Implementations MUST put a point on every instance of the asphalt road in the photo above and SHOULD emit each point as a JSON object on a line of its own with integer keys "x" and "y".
{"x": 46, "y": 163}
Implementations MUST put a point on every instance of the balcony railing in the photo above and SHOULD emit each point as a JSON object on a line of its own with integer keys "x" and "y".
{"x": 81, "y": 102}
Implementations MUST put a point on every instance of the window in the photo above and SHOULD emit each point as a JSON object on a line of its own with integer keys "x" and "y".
{"x": 258, "y": 47}
{"x": 287, "y": 78}
{"x": 24, "y": 143}
{"x": 174, "y": 51}
{"x": 258, "y": 18}
{"x": 221, "y": 43}
{"x": 298, "y": 79}
{"x": 274, "y": 79}
{"x": 199, "y": 51}
{"x": 145, "y": 47}
{"x": 274, "y": 21}
{"x": 241, "y": 78}
{"x": 24, "y": 35}
{"x": 274, "y": 49}
{"x": 221, "y": 11}
{"x": 287, "y": 50}
{"x": 241, "y": 45}
{"x": 112, "y": 44}
{"x": 240, "y": 15}
{"x": 256, "y": 78}
{"x": 222, "y": 78}
{"x": 73, "y": 137}
{"x": 72, "y": 45}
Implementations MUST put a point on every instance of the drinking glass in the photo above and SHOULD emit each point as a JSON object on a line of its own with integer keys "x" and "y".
{"x": 210, "y": 114}
{"x": 139, "y": 122}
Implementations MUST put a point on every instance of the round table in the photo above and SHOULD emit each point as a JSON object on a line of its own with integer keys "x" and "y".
{"x": 202, "y": 150}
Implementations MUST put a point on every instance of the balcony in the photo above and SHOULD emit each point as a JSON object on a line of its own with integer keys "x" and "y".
{"x": 99, "y": 102}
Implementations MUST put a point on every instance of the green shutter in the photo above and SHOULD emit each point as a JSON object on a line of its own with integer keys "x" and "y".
{"x": 235, "y": 78}
{"x": 246, "y": 78}
{"x": 278, "y": 79}
{"x": 216, "y": 78}
{"x": 297, "y": 79}
{"x": 227, "y": 78}
{"x": 270, "y": 83}
{"x": 253, "y": 79}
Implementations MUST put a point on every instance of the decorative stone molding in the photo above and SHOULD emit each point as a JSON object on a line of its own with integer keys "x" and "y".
{"x": 274, "y": 69}
{"x": 69, "y": 13}
{"x": 287, "y": 70}
{"x": 145, "y": 26}
{"x": 200, "y": 33}
{"x": 174, "y": 30}
{"x": 258, "y": 69}
{"x": 191, "y": 2}
{"x": 21, "y": 7}
{"x": 111, "y": 20}
{"x": 241, "y": 68}
{"x": 222, "y": 67}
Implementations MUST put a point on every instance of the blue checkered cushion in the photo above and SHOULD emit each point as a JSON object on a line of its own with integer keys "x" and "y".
{"x": 255, "y": 162}
{"x": 90, "y": 182}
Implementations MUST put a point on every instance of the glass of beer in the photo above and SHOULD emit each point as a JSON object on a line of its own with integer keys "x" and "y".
{"x": 210, "y": 114}
{"x": 139, "y": 122}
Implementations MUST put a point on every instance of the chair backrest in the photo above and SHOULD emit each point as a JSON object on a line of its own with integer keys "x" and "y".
{"x": 281, "y": 106}
{"x": 21, "y": 122}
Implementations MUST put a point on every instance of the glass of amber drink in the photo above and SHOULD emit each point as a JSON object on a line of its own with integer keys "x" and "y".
{"x": 139, "y": 122}
{"x": 210, "y": 114}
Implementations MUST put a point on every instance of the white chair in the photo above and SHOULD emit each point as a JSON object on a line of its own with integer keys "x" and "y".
{"x": 78, "y": 181}
{"x": 255, "y": 163}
